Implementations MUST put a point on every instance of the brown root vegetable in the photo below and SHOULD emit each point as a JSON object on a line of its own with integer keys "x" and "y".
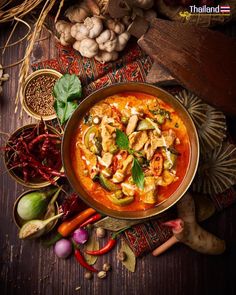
{"x": 204, "y": 207}
{"x": 93, "y": 7}
{"x": 144, "y": 4}
{"x": 186, "y": 230}
{"x": 78, "y": 13}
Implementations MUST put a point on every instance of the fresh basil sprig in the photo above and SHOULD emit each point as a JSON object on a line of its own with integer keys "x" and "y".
{"x": 66, "y": 92}
{"x": 122, "y": 141}
{"x": 137, "y": 174}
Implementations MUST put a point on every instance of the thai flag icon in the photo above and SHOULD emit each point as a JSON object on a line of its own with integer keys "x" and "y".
{"x": 225, "y": 9}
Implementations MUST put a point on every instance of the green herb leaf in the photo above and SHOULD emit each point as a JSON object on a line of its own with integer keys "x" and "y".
{"x": 64, "y": 110}
{"x": 137, "y": 174}
{"x": 65, "y": 91}
{"x": 122, "y": 140}
{"x": 67, "y": 88}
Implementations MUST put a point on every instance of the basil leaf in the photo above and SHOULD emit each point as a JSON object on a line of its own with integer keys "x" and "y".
{"x": 122, "y": 140}
{"x": 137, "y": 174}
{"x": 67, "y": 88}
{"x": 64, "y": 110}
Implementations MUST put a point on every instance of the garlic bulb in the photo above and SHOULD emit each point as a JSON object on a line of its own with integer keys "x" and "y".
{"x": 115, "y": 26}
{"x": 64, "y": 30}
{"x": 107, "y": 40}
{"x": 88, "y": 48}
{"x": 94, "y": 25}
{"x": 122, "y": 40}
{"x": 104, "y": 56}
{"x": 79, "y": 31}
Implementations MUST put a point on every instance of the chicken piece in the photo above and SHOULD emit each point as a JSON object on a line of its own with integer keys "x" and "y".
{"x": 101, "y": 110}
{"x": 121, "y": 173}
{"x": 138, "y": 139}
{"x": 107, "y": 132}
{"x": 150, "y": 193}
{"x": 90, "y": 160}
{"x": 128, "y": 189}
{"x": 167, "y": 178}
{"x": 169, "y": 137}
{"x": 106, "y": 160}
{"x": 152, "y": 144}
{"x": 149, "y": 152}
{"x": 133, "y": 121}
{"x": 155, "y": 125}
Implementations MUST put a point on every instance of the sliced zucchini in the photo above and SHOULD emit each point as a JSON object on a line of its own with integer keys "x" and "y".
{"x": 145, "y": 125}
{"x": 160, "y": 118}
{"x": 118, "y": 194}
{"x": 106, "y": 172}
{"x": 121, "y": 202}
{"x": 170, "y": 162}
{"x": 124, "y": 120}
{"x": 87, "y": 135}
{"x": 107, "y": 184}
{"x": 113, "y": 149}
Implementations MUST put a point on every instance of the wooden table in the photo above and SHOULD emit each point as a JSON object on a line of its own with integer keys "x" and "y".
{"x": 28, "y": 268}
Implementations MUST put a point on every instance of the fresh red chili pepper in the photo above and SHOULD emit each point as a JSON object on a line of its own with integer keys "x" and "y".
{"x": 118, "y": 113}
{"x": 82, "y": 261}
{"x": 91, "y": 220}
{"x": 110, "y": 245}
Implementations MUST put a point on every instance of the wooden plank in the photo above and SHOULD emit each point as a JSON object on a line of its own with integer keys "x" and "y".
{"x": 200, "y": 59}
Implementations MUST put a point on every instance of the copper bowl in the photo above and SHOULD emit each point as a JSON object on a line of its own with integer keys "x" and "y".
{"x": 31, "y": 77}
{"x": 36, "y": 182}
{"x": 103, "y": 93}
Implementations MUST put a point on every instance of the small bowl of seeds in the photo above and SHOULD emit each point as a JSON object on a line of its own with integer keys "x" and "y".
{"x": 37, "y": 99}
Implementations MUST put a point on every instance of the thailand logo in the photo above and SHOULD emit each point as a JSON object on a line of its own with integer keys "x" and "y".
{"x": 219, "y": 10}
{"x": 225, "y": 9}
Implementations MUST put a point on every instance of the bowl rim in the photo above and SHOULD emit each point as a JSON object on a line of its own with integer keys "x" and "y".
{"x": 26, "y": 108}
{"x": 19, "y": 180}
{"x": 123, "y": 214}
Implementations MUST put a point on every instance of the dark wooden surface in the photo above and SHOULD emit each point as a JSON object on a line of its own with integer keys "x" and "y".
{"x": 28, "y": 268}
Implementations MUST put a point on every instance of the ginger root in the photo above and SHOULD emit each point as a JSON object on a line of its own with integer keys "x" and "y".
{"x": 187, "y": 231}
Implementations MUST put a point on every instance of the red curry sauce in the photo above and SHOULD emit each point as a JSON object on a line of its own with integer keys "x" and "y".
{"x": 139, "y": 102}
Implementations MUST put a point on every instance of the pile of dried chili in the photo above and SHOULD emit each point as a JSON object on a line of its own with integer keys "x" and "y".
{"x": 34, "y": 154}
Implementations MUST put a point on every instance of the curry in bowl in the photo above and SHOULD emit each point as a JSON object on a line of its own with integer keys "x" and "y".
{"x": 130, "y": 151}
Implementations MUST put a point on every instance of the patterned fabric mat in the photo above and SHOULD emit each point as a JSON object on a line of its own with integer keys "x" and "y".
{"x": 133, "y": 65}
